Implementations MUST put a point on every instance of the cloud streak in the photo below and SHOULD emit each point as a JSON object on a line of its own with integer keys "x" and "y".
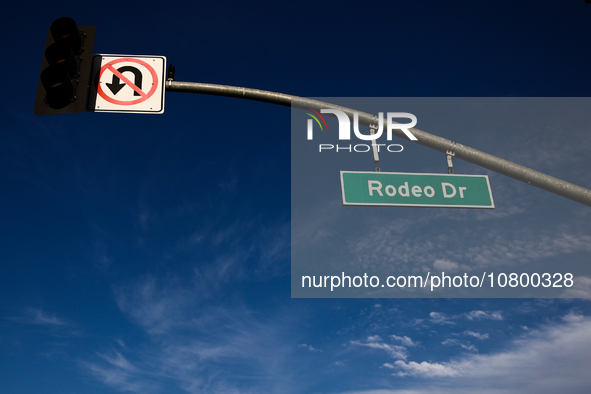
{"x": 375, "y": 342}
{"x": 196, "y": 329}
{"x": 553, "y": 359}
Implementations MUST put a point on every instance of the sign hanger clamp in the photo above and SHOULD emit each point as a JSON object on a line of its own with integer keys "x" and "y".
{"x": 450, "y": 153}
{"x": 373, "y": 126}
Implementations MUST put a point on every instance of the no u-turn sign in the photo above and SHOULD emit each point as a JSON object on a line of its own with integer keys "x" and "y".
{"x": 121, "y": 83}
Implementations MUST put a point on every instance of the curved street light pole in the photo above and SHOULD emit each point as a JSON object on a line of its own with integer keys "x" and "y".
{"x": 482, "y": 159}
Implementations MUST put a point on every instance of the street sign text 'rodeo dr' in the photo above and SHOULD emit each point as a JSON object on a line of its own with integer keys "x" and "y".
{"x": 416, "y": 190}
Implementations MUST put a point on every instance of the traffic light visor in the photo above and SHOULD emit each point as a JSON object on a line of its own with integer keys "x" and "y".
{"x": 65, "y": 30}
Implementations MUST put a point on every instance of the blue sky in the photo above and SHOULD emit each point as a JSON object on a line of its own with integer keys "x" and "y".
{"x": 151, "y": 254}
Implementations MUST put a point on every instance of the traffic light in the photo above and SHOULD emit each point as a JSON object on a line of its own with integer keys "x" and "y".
{"x": 65, "y": 70}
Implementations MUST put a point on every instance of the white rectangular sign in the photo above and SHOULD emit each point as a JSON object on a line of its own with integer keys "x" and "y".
{"x": 127, "y": 83}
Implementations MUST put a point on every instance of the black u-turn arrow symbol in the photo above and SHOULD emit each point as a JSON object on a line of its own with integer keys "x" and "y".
{"x": 116, "y": 85}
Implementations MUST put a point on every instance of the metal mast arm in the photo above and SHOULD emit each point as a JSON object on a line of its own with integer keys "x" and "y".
{"x": 474, "y": 156}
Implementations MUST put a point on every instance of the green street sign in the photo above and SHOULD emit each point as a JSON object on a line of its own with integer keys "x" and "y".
{"x": 398, "y": 189}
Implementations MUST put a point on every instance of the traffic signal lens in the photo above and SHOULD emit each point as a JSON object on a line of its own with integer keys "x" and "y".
{"x": 65, "y": 30}
{"x": 61, "y": 53}
{"x": 58, "y": 87}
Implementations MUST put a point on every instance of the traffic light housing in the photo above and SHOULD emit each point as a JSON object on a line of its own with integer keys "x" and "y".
{"x": 65, "y": 69}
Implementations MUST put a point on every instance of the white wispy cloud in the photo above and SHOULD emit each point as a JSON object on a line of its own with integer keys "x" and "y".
{"x": 376, "y": 342}
{"x": 552, "y": 359}
{"x": 425, "y": 369}
{"x": 440, "y": 318}
{"x": 580, "y": 289}
{"x": 455, "y": 342}
{"x": 37, "y": 316}
{"x": 153, "y": 306}
{"x": 118, "y": 360}
{"x": 476, "y": 335}
{"x": 573, "y": 318}
{"x": 406, "y": 341}
{"x": 119, "y": 374}
{"x": 309, "y": 347}
{"x": 194, "y": 333}
{"x": 445, "y": 265}
{"x": 481, "y": 315}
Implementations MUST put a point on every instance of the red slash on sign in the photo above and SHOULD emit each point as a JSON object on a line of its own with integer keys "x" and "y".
{"x": 115, "y": 86}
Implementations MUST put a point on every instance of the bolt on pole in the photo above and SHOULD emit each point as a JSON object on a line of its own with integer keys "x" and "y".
{"x": 474, "y": 156}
